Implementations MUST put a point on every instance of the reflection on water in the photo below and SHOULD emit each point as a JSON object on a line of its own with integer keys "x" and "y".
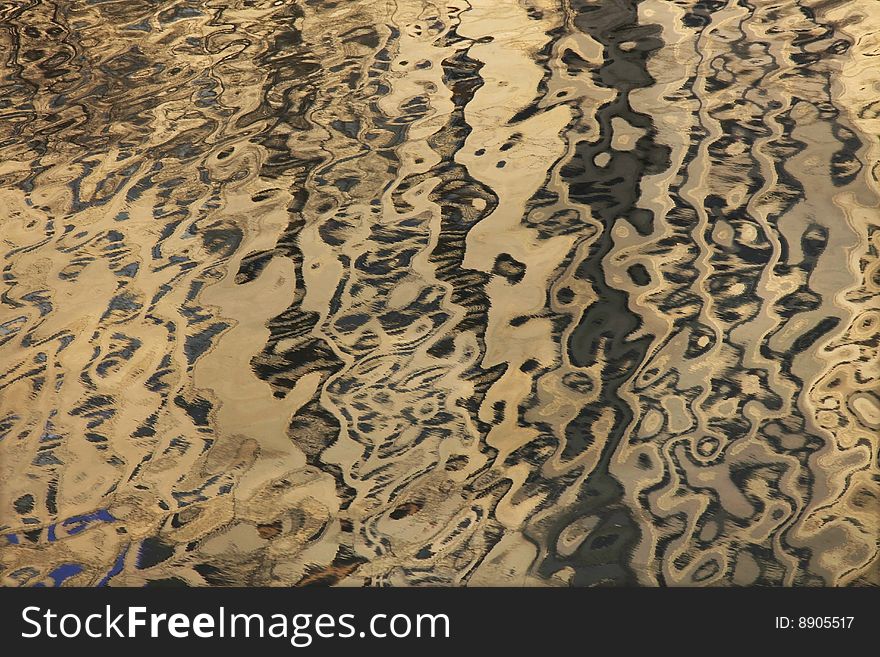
{"x": 476, "y": 292}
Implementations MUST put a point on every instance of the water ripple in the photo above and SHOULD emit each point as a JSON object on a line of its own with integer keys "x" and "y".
{"x": 529, "y": 292}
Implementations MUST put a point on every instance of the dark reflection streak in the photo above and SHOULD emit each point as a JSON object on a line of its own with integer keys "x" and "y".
{"x": 612, "y": 191}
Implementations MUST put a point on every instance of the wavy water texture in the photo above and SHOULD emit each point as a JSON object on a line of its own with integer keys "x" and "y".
{"x": 480, "y": 292}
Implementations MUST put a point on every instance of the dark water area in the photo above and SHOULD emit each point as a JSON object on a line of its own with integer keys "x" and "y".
{"x": 499, "y": 292}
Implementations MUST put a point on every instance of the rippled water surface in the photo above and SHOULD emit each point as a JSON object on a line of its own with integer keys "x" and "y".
{"x": 398, "y": 293}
